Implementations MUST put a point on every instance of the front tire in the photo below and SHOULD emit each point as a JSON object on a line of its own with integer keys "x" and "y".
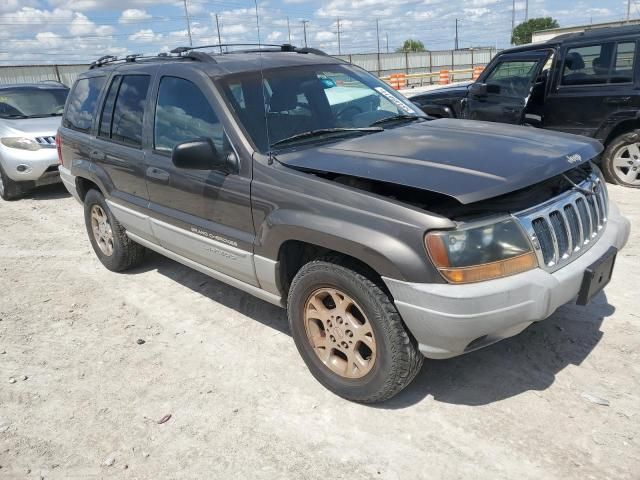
{"x": 621, "y": 160}
{"x": 349, "y": 332}
{"x": 10, "y": 189}
{"x": 108, "y": 237}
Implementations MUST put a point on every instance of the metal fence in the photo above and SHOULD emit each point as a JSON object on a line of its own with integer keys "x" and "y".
{"x": 384, "y": 64}
{"x": 381, "y": 64}
{"x": 66, "y": 74}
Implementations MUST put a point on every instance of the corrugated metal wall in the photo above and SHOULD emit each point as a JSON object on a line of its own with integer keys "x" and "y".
{"x": 381, "y": 65}
{"x": 420, "y": 62}
{"x": 66, "y": 74}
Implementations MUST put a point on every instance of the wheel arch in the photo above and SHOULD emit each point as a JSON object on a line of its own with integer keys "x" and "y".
{"x": 83, "y": 185}
{"x": 294, "y": 254}
{"x": 620, "y": 128}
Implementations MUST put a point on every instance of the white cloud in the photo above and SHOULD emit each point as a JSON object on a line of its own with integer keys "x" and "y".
{"x": 87, "y": 5}
{"x": 133, "y": 15}
{"x": 274, "y": 36}
{"x": 146, "y": 36}
{"x": 324, "y": 36}
{"x": 81, "y": 25}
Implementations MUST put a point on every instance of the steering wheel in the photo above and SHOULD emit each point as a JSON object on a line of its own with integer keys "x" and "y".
{"x": 348, "y": 113}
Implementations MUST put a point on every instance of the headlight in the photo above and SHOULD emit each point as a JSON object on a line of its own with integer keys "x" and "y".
{"x": 481, "y": 253}
{"x": 20, "y": 143}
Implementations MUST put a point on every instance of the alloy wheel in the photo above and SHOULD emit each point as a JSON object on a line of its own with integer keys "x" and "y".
{"x": 339, "y": 333}
{"x": 102, "y": 231}
{"x": 626, "y": 164}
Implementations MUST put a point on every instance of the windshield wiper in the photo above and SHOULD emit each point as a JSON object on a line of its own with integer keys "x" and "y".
{"x": 14, "y": 115}
{"x": 395, "y": 118}
{"x": 44, "y": 115}
{"x": 324, "y": 131}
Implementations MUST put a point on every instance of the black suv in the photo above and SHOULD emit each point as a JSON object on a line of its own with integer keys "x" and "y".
{"x": 583, "y": 83}
{"x": 311, "y": 184}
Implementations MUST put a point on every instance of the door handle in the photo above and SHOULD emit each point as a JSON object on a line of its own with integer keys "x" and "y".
{"x": 617, "y": 100}
{"x": 97, "y": 155}
{"x": 510, "y": 109}
{"x": 158, "y": 174}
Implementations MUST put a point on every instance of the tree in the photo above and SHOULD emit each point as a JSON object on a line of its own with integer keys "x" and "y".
{"x": 411, "y": 45}
{"x": 523, "y": 32}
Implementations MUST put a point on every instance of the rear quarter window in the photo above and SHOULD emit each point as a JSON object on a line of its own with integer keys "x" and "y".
{"x": 82, "y": 103}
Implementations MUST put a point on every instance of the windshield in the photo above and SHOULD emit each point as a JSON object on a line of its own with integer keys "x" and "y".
{"x": 32, "y": 102}
{"x": 315, "y": 98}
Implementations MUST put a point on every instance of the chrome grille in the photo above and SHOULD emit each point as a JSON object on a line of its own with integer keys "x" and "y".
{"x": 49, "y": 142}
{"x": 565, "y": 227}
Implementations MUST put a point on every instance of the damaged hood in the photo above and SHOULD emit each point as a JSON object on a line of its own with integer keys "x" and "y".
{"x": 464, "y": 159}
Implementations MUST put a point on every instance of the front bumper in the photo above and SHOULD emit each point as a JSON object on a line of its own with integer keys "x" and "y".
{"x": 449, "y": 320}
{"x": 39, "y": 166}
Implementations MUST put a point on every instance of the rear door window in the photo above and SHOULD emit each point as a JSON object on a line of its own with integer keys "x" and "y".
{"x": 107, "y": 110}
{"x": 128, "y": 111}
{"x": 599, "y": 64}
{"x": 624, "y": 61}
{"x": 82, "y": 103}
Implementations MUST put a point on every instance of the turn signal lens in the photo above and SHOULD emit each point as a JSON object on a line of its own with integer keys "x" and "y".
{"x": 490, "y": 271}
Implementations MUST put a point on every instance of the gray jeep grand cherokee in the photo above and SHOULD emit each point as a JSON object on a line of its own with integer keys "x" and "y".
{"x": 309, "y": 183}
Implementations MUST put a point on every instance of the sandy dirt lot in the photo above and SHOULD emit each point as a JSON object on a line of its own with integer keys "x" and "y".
{"x": 561, "y": 400}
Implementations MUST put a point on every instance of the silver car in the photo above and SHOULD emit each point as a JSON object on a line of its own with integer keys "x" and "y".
{"x": 29, "y": 119}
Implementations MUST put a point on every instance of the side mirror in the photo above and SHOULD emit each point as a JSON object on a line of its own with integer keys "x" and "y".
{"x": 478, "y": 89}
{"x": 198, "y": 154}
{"x": 328, "y": 83}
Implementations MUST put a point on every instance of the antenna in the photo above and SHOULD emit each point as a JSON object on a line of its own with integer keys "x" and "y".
{"x": 264, "y": 96}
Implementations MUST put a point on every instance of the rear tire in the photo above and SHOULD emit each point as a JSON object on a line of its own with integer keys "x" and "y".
{"x": 366, "y": 354}
{"x": 109, "y": 240}
{"x": 10, "y": 189}
{"x": 621, "y": 160}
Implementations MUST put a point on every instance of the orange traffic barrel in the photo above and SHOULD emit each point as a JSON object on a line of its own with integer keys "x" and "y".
{"x": 477, "y": 71}
{"x": 398, "y": 80}
{"x": 444, "y": 77}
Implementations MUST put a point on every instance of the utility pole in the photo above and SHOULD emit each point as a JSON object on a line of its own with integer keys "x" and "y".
{"x": 378, "y": 40}
{"x": 304, "y": 27}
{"x": 387, "y": 36}
{"x": 526, "y": 10}
{"x": 186, "y": 14}
{"x": 289, "y": 30}
{"x": 513, "y": 19}
{"x": 338, "y": 23}
{"x": 218, "y": 27}
{"x": 628, "y": 10}
{"x": 456, "y": 34}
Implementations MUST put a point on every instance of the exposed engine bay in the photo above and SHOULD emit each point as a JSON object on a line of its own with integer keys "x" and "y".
{"x": 451, "y": 208}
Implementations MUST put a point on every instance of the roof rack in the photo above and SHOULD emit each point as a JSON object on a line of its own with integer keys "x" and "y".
{"x": 286, "y": 47}
{"x": 53, "y": 82}
{"x": 188, "y": 52}
{"x": 108, "y": 59}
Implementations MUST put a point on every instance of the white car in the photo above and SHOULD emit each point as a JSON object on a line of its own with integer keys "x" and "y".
{"x": 29, "y": 119}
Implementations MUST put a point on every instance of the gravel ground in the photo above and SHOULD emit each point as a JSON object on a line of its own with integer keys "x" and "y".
{"x": 81, "y": 396}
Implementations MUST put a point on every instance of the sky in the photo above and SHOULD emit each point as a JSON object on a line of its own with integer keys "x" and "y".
{"x": 79, "y": 31}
